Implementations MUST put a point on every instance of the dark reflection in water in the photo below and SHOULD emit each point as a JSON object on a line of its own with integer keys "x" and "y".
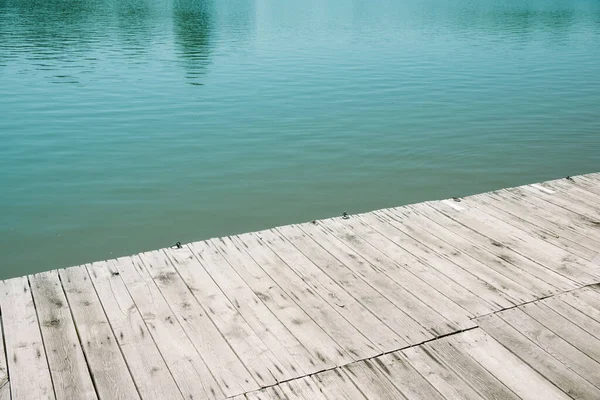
{"x": 193, "y": 26}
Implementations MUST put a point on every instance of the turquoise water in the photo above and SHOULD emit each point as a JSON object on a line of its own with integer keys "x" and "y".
{"x": 128, "y": 125}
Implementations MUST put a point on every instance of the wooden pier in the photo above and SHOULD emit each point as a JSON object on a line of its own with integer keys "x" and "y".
{"x": 492, "y": 296}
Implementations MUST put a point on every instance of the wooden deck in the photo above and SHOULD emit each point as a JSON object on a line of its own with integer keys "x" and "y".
{"x": 496, "y": 295}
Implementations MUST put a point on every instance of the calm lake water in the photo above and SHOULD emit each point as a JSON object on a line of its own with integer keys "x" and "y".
{"x": 128, "y": 125}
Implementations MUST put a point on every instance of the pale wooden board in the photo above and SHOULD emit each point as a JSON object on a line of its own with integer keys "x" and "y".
{"x": 475, "y": 295}
{"x": 469, "y": 370}
{"x": 330, "y": 272}
{"x": 486, "y": 268}
{"x": 549, "y": 211}
{"x": 109, "y": 370}
{"x": 409, "y": 318}
{"x": 528, "y": 245}
{"x": 450, "y": 385}
{"x": 328, "y": 318}
{"x": 567, "y": 203}
{"x": 5, "y": 391}
{"x": 149, "y": 371}
{"x": 3, "y": 364}
{"x": 560, "y": 349}
{"x": 26, "y": 357}
{"x": 302, "y": 388}
{"x": 335, "y": 384}
{"x": 505, "y": 236}
{"x": 68, "y": 368}
{"x": 406, "y": 378}
{"x": 538, "y": 358}
{"x": 184, "y": 335}
{"x": 570, "y": 191}
{"x": 330, "y": 291}
{"x": 553, "y": 225}
{"x": 584, "y": 300}
{"x": 564, "y": 328}
{"x": 394, "y": 282}
{"x": 203, "y": 296}
{"x": 522, "y": 278}
{"x": 372, "y": 381}
{"x": 262, "y": 321}
{"x": 325, "y": 351}
{"x": 397, "y": 264}
{"x": 573, "y": 313}
{"x": 458, "y": 299}
{"x": 524, "y": 381}
{"x": 546, "y": 232}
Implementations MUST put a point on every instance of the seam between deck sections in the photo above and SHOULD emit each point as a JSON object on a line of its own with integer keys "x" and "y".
{"x": 536, "y": 300}
{"x": 364, "y": 359}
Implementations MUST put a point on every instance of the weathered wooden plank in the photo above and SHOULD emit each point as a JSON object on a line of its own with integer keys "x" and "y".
{"x": 150, "y": 373}
{"x": 562, "y": 201}
{"x": 537, "y": 358}
{"x": 573, "y": 314}
{"x": 68, "y": 368}
{"x": 506, "y": 367}
{"x": 330, "y": 291}
{"x": 106, "y": 363}
{"x": 450, "y": 385}
{"x": 584, "y": 300}
{"x": 262, "y": 321}
{"x": 184, "y": 335}
{"x": 205, "y": 297}
{"x": 326, "y": 352}
{"x": 476, "y": 298}
{"x": 394, "y": 263}
{"x": 560, "y": 349}
{"x": 5, "y": 391}
{"x": 553, "y": 212}
{"x": 567, "y": 190}
{"x": 371, "y": 381}
{"x": 536, "y": 250}
{"x": 460, "y": 299}
{"x": 397, "y": 283}
{"x": 526, "y": 279}
{"x": 545, "y": 232}
{"x": 406, "y": 378}
{"x": 328, "y": 318}
{"x": 330, "y": 270}
{"x": 486, "y": 384}
{"x": 551, "y": 223}
{"x": 414, "y": 321}
{"x": 302, "y": 388}
{"x": 26, "y": 358}
{"x": 563, "y": 327}
{"x": 335, "y": 384}
{"x": 497, "y": 275}
{"x": 3, "y": 364}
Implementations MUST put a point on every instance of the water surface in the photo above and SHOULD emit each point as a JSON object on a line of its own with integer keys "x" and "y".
{"x": 127, "y": 125}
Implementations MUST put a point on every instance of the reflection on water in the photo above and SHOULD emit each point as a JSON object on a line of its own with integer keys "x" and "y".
{"x": 193, "y": 25}
{"x": 127, "y": 125}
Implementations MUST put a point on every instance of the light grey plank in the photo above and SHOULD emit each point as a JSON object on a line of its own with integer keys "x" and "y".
{"x": 560, "y": 349}
{"x": 450, "y": 385}
{"x": 335, "y": 384}
{"x": 330, "y": 291}
{"x": 406, "y": 378}
{"x": 109, "y": 370}
{"x": 149, "y": 371}
{"x": 185, "y": 336}
{"x": 371, "y": 381}
{"x": 328, "y": 318}
{"x": 537, "y": 358}
{"x": 506, "y": 367}
{"x": 26, "y": 357}
{"x": 326, "y": 352}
